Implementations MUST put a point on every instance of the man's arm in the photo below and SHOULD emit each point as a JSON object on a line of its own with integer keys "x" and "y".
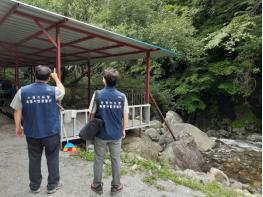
{"x": 92, "y": 107}
{"x": 18, "y": 118}
{"x": 58, "y": 82}
{"x": 16, "y": 104}
{"x": 125, "y": 124}
{"x": 125, "y": 118}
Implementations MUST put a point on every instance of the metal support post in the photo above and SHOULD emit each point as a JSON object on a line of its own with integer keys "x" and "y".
{"x": 147, "y": 83}
{"x": 58, "y": 53}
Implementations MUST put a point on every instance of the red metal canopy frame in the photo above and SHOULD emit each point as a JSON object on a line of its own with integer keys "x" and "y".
{"x": 14, "y": 52}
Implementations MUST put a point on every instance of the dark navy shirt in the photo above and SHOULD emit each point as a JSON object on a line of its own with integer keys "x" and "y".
{"x": 110, "y": 106}
{"x": 40, "y": 111}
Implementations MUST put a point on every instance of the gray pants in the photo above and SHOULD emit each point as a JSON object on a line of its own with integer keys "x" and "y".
{"x": 115, "y": 150}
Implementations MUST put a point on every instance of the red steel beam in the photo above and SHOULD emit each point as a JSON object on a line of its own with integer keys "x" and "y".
{"x": 103, "y": 37}
{"x": 51, "y": 48}
{"x": 74, "y": 29}
{"x": 58, "y": 53}
{"x": 46, "y": 33}
{"x": 98, "y": 50}
{"x": 121, "y": 54}
{"x": 39, "y": 32}
{"x": 9, "y": 12}
{"x": 147, "y": 82}
{"x": 114, "y": 55}
{"x": 76, "y": 46}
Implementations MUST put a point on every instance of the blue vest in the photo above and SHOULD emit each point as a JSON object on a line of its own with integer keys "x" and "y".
{"x": 40, "y": 111}
{"x": 110, "y": 104}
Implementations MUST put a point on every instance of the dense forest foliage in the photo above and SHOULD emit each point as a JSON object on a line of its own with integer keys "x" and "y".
{"x": 215, "y": 81}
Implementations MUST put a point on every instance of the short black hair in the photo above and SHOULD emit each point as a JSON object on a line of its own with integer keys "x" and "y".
{"x": 111, "y": 76}
{"x": 42, "y": 72}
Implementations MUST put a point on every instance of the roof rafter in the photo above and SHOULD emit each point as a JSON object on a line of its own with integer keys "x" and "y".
{"x": 9, "y": 13}
{"x": 81, "y": 31}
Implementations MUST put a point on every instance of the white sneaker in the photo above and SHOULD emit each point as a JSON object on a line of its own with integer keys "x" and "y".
{"x": 35, "y": 191}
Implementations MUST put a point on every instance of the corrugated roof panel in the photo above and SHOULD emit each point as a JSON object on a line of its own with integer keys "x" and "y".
{"x": 96, "y": 43}
{"x": 120, "y": 50}
{"x": 68, "y": 50}
{"x": 39, "y": 44}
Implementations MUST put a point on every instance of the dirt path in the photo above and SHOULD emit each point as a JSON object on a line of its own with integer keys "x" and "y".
{"x": 76, "y": 174}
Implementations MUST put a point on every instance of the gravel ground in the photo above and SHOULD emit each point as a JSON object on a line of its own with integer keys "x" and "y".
{"x": 76, "y": 174}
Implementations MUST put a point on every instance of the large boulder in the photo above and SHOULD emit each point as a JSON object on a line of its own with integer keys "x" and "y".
{"x": 183, "y": 154}
{"x": 156, "y": 124}
{"x": 173, "y": 118}
{"x": 142, "y": 146}
{"x": 154, "y": 134}
{"x": 180, "y": 130}
{"x": 219, "y": 176}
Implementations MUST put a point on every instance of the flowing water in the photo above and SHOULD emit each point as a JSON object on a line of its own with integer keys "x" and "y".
{"x": 239, "y": 159}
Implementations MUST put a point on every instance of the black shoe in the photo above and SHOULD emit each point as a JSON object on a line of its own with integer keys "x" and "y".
{"x": 98, "y": 188}
{"x": 51, "y": 191}
{"x": 115, "y": 189}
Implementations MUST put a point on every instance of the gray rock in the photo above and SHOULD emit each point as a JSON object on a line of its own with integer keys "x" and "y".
{"x": 161, "y": 131}
{"x": 173, "y": 118}
{"x": 153, "y": 134}
{"x": 196, "y": 176}
{"x": 219, "y": 176}
{"x": 143, "y": 146}
{"x": 239, "y": 130}
{"x": 203, "y": 142}
{"x": 255, "y": 137}
{"x": 156, "y": 124}
{"x": 238, "y": 133}
{"x": 183, "y": 154}
{"x": 165, "y": 139}
{"x": 236, "y": 185}
{"x": 245, "y": 193}
{"x": 223, "y": 133}
{"x": 212, "y": 133}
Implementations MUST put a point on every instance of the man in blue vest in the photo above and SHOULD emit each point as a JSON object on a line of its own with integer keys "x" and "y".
{"x": 37, "y": 105}
{"x": 112, "y": 107}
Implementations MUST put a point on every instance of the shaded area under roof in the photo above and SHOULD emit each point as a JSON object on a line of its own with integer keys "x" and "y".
{"x": 22, "y": 39}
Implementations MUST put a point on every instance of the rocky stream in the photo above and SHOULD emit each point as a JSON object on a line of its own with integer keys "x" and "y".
{"x": 235, "y": 163}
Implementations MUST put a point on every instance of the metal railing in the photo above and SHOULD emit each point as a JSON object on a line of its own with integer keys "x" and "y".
{"x": 139, "y": 116}
{"x": 78, "y": 96}
{"x": 73, "y": 120}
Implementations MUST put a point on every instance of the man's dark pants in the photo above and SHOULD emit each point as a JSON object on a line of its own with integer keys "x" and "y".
{"x": 35, "y": 149}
